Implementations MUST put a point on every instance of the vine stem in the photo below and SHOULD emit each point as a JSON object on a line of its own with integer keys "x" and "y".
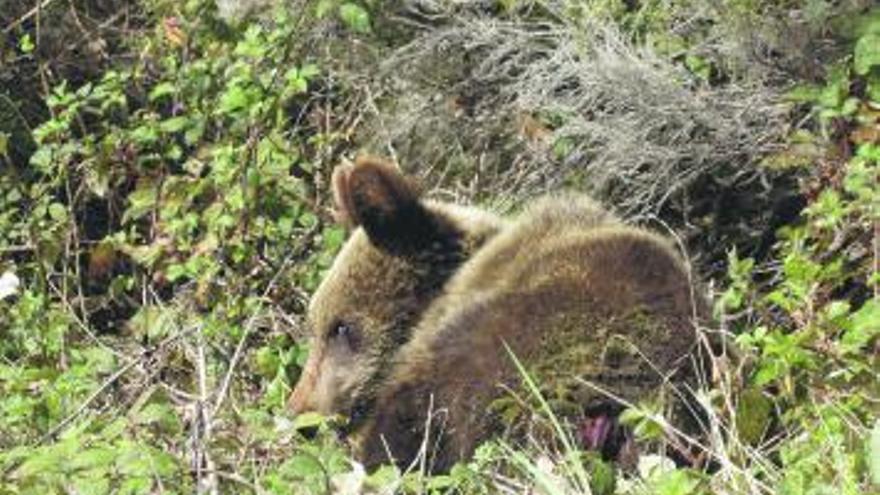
{"x": 30, "y": 13}
{"x": 876, "y": 274}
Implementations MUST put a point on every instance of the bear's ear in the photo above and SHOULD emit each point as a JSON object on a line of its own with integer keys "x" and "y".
{"x": 374, "y": 194}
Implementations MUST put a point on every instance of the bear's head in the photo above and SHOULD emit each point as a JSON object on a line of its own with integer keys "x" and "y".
{"x": 400, "y": 254}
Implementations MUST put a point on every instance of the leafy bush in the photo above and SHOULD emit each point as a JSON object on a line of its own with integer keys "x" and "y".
{"x": 172, "y": 221}
{"x": 813, "y": 326}
{"x": 156, "y": 220}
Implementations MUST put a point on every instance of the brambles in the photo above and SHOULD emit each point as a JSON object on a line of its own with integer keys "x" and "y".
{"x": 167, "y": 219}
{"x": 155, "y": 221}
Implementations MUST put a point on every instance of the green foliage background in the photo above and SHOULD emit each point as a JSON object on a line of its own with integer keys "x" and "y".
{"x": 165, "y": 212}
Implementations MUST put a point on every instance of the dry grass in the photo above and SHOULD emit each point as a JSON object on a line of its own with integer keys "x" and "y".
{"x": 522, "y": 106}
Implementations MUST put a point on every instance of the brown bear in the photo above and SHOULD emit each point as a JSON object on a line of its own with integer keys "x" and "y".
{"x": 426, "y": 303}
{"x": 393, "y": 266}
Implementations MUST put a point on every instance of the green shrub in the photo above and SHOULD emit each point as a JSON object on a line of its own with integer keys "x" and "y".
{"x": 166, "y": 203}
{"x": 172, "y": 221}
{"x": 813, "y": 326}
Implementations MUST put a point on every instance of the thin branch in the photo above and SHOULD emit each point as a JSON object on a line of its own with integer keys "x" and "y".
{"x": 34, "y": 11}
{"x": 241, "y": 481}
{"x": 88, "y": 401}
{"x": 239, "y": 348}
{"x": 82, "y": 324}
{"x": 106, "y": 384}
{"x": 206, "y": 484}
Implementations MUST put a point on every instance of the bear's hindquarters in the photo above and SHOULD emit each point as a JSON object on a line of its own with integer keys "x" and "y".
{"x": 609, "y": 310}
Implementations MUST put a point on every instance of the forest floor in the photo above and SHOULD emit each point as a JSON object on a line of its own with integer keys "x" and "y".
{"x": 165, "y": 215}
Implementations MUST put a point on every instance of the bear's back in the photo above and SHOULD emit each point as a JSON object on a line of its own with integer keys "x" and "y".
{"x": 573, "y": 293}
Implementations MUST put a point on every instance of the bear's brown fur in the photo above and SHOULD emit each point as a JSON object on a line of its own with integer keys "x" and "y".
{"x": 394, "y": 264}
{"x": 426, "y": 301}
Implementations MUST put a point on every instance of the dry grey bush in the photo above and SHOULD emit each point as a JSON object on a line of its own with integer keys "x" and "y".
{"x": 636, "y": 127}
{"x": 236, "y": 10}
{"x": 497, "y": 108}
{"x": 775, "y": 42}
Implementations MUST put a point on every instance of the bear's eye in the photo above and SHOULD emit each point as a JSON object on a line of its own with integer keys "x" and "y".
{"x": 343, "y": 332}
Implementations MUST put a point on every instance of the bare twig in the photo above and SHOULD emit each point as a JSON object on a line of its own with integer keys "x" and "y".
{"x": 34, "y": 11}
{"x": 72, "y": 313}
{"x": 206, "y": 478}
{"x": 248, "y": 327}
{"x": 241, "y": 481}
{"x": 104, "y": 386}
{"x": 88, "y": 401}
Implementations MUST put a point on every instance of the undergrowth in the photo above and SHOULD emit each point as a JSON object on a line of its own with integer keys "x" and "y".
{"x": 162, "y": 235}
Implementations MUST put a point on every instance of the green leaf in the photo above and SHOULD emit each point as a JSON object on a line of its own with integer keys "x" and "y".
{"x": 57, "y": 212}
{"x": 873, "y": 90}
{"x": 850, "y": 106}
{"x": 152, "y": 321}
{"x": 136, "y": 485}
{"x": 176, "y": 271}
{"x": 440, "y": 482}
{"x": 304, "y": 466}
{"x": 804, "y": 94}
{"x": 835, "y": 310}
{"x": 42, "y": 161}
{"x": 867, "y": 54}
{"x": 300, "y": 354}
{"x": 99, "y": 360}
{"x": 174, "y": 124}
{"x": 323, "y": 8}
{"x": 332, "y": 238}
{"x": 267, "y": 361}
{"x": 382, "y": 477}
{"x": 768, "y": 372}
{"x": 141, "y": 201}
{"x": 253, "y": 45}
{"x": 642, "y": 421}
{"x": 308, "y": 219}
{"x": 94, "y": 457}
{"x": 309, "y": 71}
{"x": 864, "y": 327}
{"x": 43, "y": 461}
{"x": 355, "y": 17}
{"x": 26, "y": 44}
{"x": 296, "y": 82}
{"x": 833, "y": 95}
{"x": 677, "y": 482}
{"x": 277, "y": 391}
{"x": 92, "y": 481}
{"x": 145, "y": 134}
{"x": 194, "y": 131}
{"x": 161, "y": 90}
{"x": 699, "y": 66}
{"x": 861, "y": 25}
{"x": 146, "y": 255}
{"x": 235, "y": 98}
{"x": 97, "y": 179}
{"x": 308, "y": 420}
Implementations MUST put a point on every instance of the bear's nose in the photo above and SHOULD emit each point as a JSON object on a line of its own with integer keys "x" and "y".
{"x": 297, "y": 403}
{"x": 302, "y": 398}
